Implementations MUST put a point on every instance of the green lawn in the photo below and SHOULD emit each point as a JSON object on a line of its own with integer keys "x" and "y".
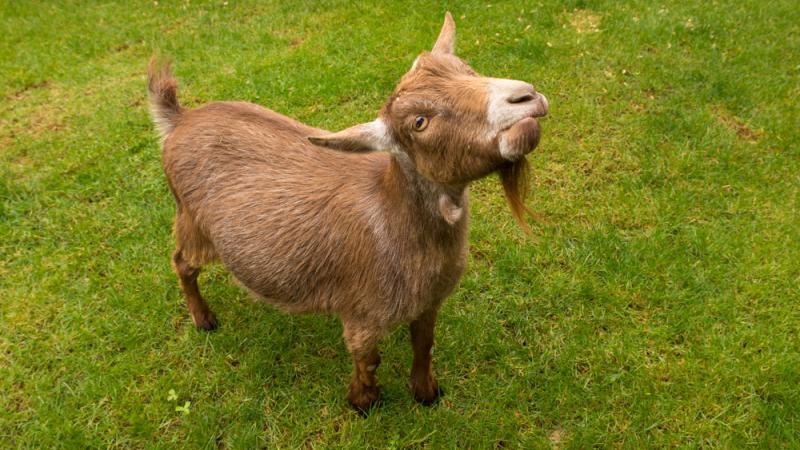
{"x": 655, "y": 304}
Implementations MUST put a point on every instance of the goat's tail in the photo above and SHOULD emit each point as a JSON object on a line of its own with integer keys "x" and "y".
{"x": 163, "y": 91}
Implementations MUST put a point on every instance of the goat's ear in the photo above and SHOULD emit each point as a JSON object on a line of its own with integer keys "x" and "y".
{"x": 446, "y": 42}
{"x": 364, "y": 137}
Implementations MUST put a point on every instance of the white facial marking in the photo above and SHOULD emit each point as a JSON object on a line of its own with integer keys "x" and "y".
{"x": 499, "y": 112}
{"x": 372, "y": 367}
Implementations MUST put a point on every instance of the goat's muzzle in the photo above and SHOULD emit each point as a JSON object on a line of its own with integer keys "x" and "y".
{"x": 523, "y": 136}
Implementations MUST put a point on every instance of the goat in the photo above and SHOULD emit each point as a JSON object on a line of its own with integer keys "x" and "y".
{"x": 368, "y": 223}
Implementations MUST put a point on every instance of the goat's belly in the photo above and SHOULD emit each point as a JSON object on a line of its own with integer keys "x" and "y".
{"x": 327, "y": 275}
{"x": 295, "y": 260}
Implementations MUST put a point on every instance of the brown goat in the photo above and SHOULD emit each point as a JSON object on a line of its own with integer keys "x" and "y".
{"x": 369, "y": 223}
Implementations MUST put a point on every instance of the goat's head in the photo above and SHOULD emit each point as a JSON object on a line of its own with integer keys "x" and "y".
{"x": 453, "y": 125}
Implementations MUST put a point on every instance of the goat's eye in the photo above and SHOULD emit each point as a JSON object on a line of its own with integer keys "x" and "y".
{"x": 420, "y": 123}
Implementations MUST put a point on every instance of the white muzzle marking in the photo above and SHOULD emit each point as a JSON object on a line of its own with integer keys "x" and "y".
{"x": 511, "y": 101}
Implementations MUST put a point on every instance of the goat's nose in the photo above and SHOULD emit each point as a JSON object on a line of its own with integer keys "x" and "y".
{"x": 522, "y": 93}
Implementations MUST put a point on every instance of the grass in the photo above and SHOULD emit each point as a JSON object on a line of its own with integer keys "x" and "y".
{"x": 655, "y": 305}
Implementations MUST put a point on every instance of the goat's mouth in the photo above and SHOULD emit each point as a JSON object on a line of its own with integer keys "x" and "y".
{"x": 519, "y": 139}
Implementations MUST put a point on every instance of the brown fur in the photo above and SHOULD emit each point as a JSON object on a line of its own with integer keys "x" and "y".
{"x": 378, "y": 239}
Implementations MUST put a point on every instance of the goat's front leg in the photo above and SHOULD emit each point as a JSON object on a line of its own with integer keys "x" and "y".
{"x": 423, "y": 384}
{"x": 362, "y": 343}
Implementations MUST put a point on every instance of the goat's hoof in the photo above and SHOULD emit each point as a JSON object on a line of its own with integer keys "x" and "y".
{"x": 207, "y": 322}
{"x": 364, "y": 398}
{"x": 427, "y": 394}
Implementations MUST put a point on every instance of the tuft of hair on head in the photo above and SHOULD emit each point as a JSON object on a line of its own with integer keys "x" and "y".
{"x": 163, "y": 92}
{"x": 514, "y": 177}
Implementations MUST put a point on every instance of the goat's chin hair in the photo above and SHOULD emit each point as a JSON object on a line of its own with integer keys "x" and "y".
{"x": 514, "y": 177}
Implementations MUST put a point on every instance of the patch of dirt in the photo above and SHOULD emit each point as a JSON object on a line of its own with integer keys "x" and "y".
{"x": 742, "y": 129}
{"x": 39, "y": 119}
{"x": 33, "y": 110}
{"x": 585, "y": 21}
{"x": 295, "y": 39}
{"x": 37, "y": 122}
{"x": 6, "y": 139}
{"x": 557, "y": 437}
{"x": 22, "y": 93}
{"x": 176, "y": 25}
{"x": 19, "y": 165}
{"x": 126, "y": 46}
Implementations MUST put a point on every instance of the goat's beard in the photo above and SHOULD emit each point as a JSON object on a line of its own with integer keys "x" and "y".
{"x": 514, "y": 177}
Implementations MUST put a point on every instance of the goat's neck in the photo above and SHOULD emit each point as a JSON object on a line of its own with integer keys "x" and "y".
{"x": 440, "y": 201}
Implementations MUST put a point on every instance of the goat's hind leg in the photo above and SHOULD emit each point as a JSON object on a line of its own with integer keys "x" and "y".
{"x": 192, "y": 252}
{"x": 201, "y": 314}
